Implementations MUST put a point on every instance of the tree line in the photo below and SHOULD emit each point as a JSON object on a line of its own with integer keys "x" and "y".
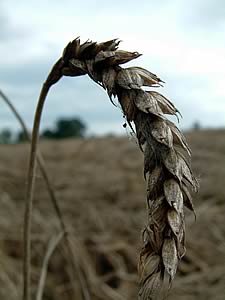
{"x": 64, "y": 128}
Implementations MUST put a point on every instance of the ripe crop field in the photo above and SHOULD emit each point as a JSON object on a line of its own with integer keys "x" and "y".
{"x": 101, "y": 193}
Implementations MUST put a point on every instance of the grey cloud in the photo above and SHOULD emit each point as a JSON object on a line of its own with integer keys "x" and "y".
{"x": 211, "y": 12}
{"x": 8, "y": 29}
{"x": 24, "y": 75}
{"x": 115, "y": 8}
{"x": 204, "y": 14}
{"x": 4, "y": 24}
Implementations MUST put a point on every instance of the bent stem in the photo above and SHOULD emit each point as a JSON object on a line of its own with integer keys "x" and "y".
{"x": 53, "y": 243}
{"x": 29, "y": 192}
{"x": 39, "y": 160}
{"x": 17, "y": 115}
{"x": 53, "y": 198}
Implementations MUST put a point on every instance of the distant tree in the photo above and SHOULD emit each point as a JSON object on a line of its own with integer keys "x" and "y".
{"x": 5, "y": 136}
{"x": 20, "y": 138}
{"x": 49, "y": 134}
{"x": 66, "y": 128}
{"x": 70, "y": 128}
{"x": 196, "y": 125}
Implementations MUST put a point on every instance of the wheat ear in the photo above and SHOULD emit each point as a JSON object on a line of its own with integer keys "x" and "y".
{"x": 168, "y": 173}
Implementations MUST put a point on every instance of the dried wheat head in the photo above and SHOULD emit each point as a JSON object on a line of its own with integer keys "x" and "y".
{"x": 166, "y": 170}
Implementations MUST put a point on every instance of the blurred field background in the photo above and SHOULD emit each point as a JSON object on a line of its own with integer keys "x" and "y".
{"x": 101, "y": 192}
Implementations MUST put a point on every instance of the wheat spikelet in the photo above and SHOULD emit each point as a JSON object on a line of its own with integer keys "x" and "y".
{"x": 166, "y": 170}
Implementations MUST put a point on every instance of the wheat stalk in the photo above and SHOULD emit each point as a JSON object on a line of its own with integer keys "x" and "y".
{"x": 53, "y": 243}
{"x": 55, "y": 202}
{"x": 168, "y": 173}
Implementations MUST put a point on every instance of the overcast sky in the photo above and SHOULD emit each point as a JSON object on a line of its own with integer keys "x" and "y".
{"x": 183, "y": 42}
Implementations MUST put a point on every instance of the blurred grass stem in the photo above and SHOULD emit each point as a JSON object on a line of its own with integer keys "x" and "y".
{"x": 53, "y": 198}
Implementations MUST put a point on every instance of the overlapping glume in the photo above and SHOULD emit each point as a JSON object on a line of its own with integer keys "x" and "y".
{"x": 166, "y": 170}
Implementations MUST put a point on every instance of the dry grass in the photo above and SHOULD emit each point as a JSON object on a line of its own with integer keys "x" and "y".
{"x": 27, "y": 221}
{"x": 102, "y": 192}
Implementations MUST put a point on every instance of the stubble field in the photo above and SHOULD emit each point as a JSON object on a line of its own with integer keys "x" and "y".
{"x": 101, "y": 191}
